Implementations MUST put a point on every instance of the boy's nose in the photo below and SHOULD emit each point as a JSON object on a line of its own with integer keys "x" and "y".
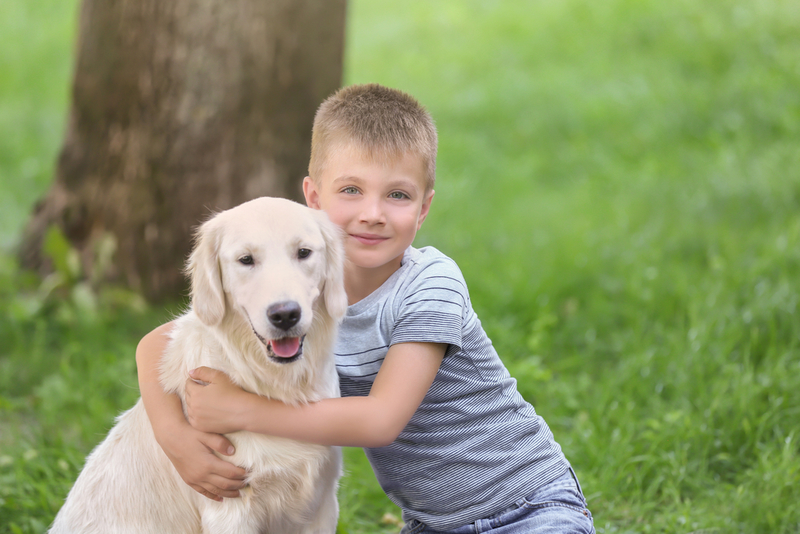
{"x": 372, "y": 212}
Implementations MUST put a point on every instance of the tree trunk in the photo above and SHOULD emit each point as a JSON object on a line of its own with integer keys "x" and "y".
{"x": 181, "y": 108}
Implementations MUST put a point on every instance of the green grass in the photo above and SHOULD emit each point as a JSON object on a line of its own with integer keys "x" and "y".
{"x": 618, "y": 181}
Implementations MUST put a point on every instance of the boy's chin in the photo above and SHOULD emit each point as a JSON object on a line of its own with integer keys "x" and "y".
{"x": 375, "y": 260}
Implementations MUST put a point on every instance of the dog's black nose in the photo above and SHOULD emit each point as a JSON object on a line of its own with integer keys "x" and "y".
{"x": 284, "y": 315}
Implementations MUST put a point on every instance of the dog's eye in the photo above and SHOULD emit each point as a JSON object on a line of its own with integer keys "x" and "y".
{"x": 246, "y": 260}
{"x": 303, "y": 253}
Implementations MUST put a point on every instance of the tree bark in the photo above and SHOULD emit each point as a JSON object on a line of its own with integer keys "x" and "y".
{"x": 181, "y": 108}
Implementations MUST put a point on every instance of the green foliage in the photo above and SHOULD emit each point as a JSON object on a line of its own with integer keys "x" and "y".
{"x": 619, "y": 183}
{"x": 66, "y": 370}
{"x": 75, "y": 293}
{"x": 37, "y": 39}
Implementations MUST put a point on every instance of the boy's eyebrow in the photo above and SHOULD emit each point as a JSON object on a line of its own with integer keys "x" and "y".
{"x": 347, "y": 178}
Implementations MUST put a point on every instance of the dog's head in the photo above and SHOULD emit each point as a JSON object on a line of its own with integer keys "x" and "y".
{"x": 275, "y": 262}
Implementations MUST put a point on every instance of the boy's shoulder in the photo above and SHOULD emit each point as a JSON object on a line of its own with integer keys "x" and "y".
{"x": 429, "y": 256}
{"x": 428, "y": 265}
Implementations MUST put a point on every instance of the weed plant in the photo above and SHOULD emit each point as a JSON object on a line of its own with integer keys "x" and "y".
{"x": 617, "y": 180}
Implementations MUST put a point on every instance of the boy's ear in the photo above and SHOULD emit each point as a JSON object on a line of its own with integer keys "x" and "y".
{"x": 426, "y": 207}
{"x": 311, "y": 193}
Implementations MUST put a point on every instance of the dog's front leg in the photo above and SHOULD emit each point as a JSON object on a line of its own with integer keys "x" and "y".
{"x": 326, "y": 515}
{"x": 229, "y": 517}
{"x": 326, "y": 519}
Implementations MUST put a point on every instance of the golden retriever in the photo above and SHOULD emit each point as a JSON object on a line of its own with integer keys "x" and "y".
{"x": 267, "y": 296}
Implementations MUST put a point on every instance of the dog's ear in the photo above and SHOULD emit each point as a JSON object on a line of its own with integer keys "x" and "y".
{"x": 333, "y": 292}
{"x": 208, "y": 298}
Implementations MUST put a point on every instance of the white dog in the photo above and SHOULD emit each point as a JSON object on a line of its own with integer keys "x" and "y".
{"x": 267, "y": 295}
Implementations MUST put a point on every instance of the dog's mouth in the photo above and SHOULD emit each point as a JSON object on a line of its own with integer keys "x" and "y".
{"x": 282, "y": 350}
{"x": 285, "y": 349}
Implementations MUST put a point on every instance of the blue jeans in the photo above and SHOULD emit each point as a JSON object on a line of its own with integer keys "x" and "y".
{"x": 557, "y": 508}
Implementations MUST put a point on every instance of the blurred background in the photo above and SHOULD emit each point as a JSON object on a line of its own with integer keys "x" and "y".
{"x": 619, "y": 182}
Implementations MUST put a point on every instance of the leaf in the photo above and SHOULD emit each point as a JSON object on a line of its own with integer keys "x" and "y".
{"x": 65, "y": 258}
{"x": 84, "y": 300}
{"x": 104, "y": 249}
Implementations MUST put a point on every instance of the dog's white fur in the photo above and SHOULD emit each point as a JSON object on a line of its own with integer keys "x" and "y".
{"x": 129, "y": 486}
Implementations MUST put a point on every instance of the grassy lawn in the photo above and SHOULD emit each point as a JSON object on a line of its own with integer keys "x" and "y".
{"x": 620, "y": 184}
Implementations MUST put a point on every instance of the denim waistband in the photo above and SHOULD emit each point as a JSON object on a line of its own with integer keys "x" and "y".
{"x": 521, "y": 502}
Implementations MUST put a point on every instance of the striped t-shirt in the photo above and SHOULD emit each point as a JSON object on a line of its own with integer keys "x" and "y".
{"x": 474, "y": 446}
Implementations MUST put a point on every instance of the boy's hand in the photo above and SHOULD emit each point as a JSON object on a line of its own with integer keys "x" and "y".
{"x": 191, "y": 452}
{"x": 213, "y": 402}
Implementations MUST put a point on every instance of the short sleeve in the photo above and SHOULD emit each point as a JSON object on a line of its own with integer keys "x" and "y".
{"x": 432, "y": 306}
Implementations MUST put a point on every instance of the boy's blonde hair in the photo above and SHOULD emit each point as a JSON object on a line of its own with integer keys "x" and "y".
{"x": 384, "y": 123}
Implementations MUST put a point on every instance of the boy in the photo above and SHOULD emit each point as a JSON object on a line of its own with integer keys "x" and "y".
{"x": 451, "y": 440}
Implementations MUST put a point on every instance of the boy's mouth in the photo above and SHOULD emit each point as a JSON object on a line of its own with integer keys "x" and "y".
{"x": 368, "y": 239}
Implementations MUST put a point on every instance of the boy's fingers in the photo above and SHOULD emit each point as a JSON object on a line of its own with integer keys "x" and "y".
{"x": 216, "y": 487}
{"x": 203, "y": 374}
{"x": 229, "y": 471}
{"x": 233, "y": 472}
{"x": 228, "y": 494}
{"x": 225, "y": 470}
{"x": 205, "y": 493}
{"x": 225, "y": 487}
{"x": 219, "y": 443}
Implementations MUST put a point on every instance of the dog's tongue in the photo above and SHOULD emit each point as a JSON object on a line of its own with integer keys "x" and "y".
{"x": 286, "y": 347}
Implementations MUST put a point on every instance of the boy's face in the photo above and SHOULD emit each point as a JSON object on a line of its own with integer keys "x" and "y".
{"x": 380, "y": 206}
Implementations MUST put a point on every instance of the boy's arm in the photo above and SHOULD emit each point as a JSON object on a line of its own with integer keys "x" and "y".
{"x": 376, "y": 420}
{"x": 189, "y": 449}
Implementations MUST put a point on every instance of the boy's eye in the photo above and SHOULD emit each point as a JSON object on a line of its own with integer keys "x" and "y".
{"x": 246, "y": 260}
{"x": 350, "y": 190}
{"x": 303, "y": 253}
{"x": 398, "y": 195}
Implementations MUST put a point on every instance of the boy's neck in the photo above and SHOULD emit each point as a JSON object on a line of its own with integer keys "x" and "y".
{"x": 360, "y": 282}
